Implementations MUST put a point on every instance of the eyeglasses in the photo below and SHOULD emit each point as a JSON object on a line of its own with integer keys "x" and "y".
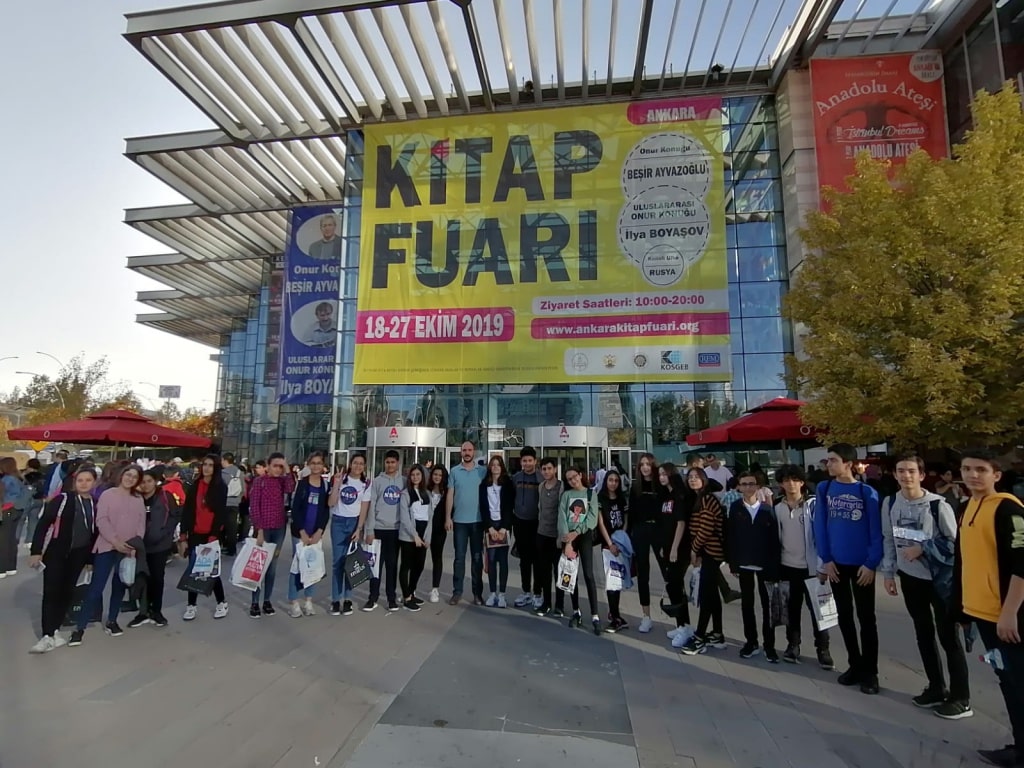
{"x": 747, "y": 485}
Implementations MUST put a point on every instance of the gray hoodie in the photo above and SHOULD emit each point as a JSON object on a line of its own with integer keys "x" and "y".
{"x": 385, "y": 496}
{"x": 914, "y": 519}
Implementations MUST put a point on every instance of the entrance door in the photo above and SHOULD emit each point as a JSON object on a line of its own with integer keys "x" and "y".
{"x": 453, "y": 457}
{"x": 512, "y": 460}
{"x": 340, "y": 460}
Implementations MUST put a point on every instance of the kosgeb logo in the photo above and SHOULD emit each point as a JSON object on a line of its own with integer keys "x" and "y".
{"x": 672, "y": 360}
{"x": 392, "y": 494}
{"x": 709, "y": 359}
{"x": 349, "y": 495}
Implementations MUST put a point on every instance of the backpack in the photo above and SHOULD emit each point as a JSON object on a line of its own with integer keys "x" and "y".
{"x": 235, "y": 486}
{"x": 939, "y": 552}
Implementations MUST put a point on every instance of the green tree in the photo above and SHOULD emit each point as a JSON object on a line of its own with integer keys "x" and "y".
{"x": 78, "y": 389}
{"x": 909, "y": 308}
{"x": 168, "y": 414}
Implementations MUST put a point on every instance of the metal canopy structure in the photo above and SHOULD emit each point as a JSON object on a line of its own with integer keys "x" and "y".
{"x": 283, "y": 80}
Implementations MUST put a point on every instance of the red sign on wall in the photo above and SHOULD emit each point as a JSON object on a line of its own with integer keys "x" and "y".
{"x": 886, "y": 105}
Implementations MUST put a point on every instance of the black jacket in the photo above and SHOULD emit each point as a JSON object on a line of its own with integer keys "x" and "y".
{"x": 508, "y": 504}
{"x": 753, "y": 542}
{"x": 60, "y": 545}
{"x": 162, "y": 515}
{"x": 323, "y": 511}
{"x": 217, "y": 501}
{"x": 138, "y": 587}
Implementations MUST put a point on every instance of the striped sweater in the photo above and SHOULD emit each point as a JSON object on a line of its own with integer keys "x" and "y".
{"x": 707, "y": 525}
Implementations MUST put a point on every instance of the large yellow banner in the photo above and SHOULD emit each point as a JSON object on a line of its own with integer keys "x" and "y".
{"x": 566, "y": 245}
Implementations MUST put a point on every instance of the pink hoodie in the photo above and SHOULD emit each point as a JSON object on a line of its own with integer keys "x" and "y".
{"x": 119, "y": 516}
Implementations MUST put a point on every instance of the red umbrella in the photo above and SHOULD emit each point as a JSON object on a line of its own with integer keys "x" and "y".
{"x": 775, "y": 421}
{"x": 112, "y": 427}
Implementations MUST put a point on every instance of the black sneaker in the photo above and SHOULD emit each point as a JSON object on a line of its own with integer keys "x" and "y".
{"x": 370, "y": 605}
{"x": 929, "y": 699}
{"x": 544, "y": 610}
{"x": 772, "y": 655}
{"x": 1007, "y": 757}
{"x": 113, "y": 629}
{"x": 159, "y": 620}
{"x": 139, "y": 621}
{"x": 954, "y": 710}
{"x": 749, "y": 650}
{"x": 558, "y": 613}
{"x": 791, "y": 654}
{"x": 849, "y": 677}
{"x": 694, "y": 646}
{"x": 825, "y": 660}
{"x": 409, "y": 605}
{"x": 478, "y": 599}
{"x": 616, "y": 625}
{"x": 717, "y": 640}
{"x": 268, "y": 608}
{"x": 76, "y": 638}
{"x": 336, "y": 608}
{"x": 597, "y": 625}
{"x": 415, "y": 600}
{"x": 254, "y": 612}
{"x": 392, "y": 606}
{"x": 346, "y": 608}
{"x": 869, "y": 685}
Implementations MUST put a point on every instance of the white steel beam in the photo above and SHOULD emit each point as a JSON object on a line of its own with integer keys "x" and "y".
{"x": 849, "y": 25}
{"x": 743, "y": 38}
{"x": 718, "y": 42}
{"x": 377, "y": 66}
{"x": 506, "y": 49}
{"x": 668, "y": 44}
{"x": 585, "y": 50}
{"x": 311, "y": 47}
{"x": 910, "y": 23}
{"x": 395, "y": 49}
{"x": 643, "y": 35}
{"x": 423, "y": 54}
{"x": 441, "y": 30}
{"x": 767, "y": 39}
{"x": 556, "y": 9}
{"x": 693, "y": 41}
{"x": 612, "y": 32}
{"x": 355, "y": 71}
{"x": 531, "y": 46}
{"x": 810, "y": 24}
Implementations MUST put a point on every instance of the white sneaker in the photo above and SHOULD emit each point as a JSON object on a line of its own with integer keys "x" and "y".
{"x": 3, "y": 575}
{"x": 671, "y": 634}
{"x": 44, "y": 645}
{"x": 523, "y": 600}
{"x": 220, "y": 611}
{"x": 502, "y": 603}
{"x": 11, "y": 573}
{"x": 307, "y": 607}
{"x": 58, "y": 641}
{"x": 538, "y": 601}
{"x": 682, "y": 636}
{"x": 646, "y": 625}
{"x": 492, "y": 601}
{"x": 435, "y": 596}
{"x": 296, "y": 610}
{"x": 190, "y": 613}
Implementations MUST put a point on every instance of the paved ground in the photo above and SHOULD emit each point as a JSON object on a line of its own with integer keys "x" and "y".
{"x": 454, "y": 687}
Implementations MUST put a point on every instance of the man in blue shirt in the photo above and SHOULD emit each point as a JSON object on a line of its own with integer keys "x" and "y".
{"x": 848, "y": 533}
{"x": 462, "y": 508}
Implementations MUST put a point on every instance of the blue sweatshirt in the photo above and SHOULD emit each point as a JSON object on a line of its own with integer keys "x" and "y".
{"x": 848, "y": 524}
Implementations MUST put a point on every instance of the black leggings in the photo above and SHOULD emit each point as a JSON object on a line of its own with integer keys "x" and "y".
{"x": 59, "y": 581}
{"x": 153, "y": 601}
{"x": 413, "y": 559}
{"x": 710, "y": 599}
{"x": 438, "y": 537}
{"x": 545, "y": 562}
{"x": 645, "y": 538}
{"x": 583, "y": 546}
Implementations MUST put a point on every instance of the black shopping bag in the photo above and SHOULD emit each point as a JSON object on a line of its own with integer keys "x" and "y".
{"x": 199, "y": 584}
{"x": 78, "y": 601}
{"x": 357, "y": 567}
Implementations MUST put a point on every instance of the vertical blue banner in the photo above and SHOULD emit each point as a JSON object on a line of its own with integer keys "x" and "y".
{"x": 309, "y": 320}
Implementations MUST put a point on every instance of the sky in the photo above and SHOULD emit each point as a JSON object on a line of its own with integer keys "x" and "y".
{"x": 73, "y": 90}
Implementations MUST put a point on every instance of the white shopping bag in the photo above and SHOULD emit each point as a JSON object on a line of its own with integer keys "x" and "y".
{"x": 373, "y": 557}
{"x": 567, "y": 572}
{"x": 126, "y": 570}
{"x": 207, "y": 563}
{"x": 695, "y": 587}
{"x": 250, "y": 567}
{"x": 84, "y": 578}
{"x": 312, "y": 565}
{"x": 823, "y": 603}
{"x": 614, "y": 571}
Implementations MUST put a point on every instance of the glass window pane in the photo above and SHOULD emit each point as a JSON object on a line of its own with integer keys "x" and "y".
{"x": 762, "y": 334}
{"x": 734, "y": 300}
{"x": 754, "y": 234}
{"x": 739, "y": 378}
{"x": 755, "y": 264}
{"x": 983, "y": 56}
{"x": 756, "y": 195}
{"x": 764, "y": 371}
{"x": 1011, "y": 34}
{"x": 761, "y": 299}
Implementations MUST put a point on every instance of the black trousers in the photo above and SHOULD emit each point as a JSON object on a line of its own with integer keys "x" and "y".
{"x": 525, "y": 532}
{"x": 412, "y": 562}
{"x": 932, "y": 616}
{"x": 545, "y": 561}
{"x": 710, "y": 598}
{"x": 1011, "y": 677}
{"x": 583, "y": 546}
{"x": 850, "y": 599}
{"x": 59, "y": 586}
{"x": 389, "y": 563}
{"x": 798, "y": 598}
{"x": 675, "y": 577}
{"x": 153, "y": 601}
{"x": 647, "y": 539}
{"x": 438, "y": 537}
{"x": 748, "y": 581}
{"x": 229, "y": 537}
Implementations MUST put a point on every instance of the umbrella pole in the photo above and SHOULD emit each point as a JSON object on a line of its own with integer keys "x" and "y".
{"x": 785, "y": 452}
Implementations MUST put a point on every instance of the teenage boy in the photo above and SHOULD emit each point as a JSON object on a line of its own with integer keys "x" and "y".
{"x": 988, "y": 585}
{"x": 918, "y": 530}
{"x": 524, "y": 525}
{"x": 753, "y": 552}
{"x": 382, "y": 523}
{"x": 462, "y": 512}
{"x": 549, "y": 493}
{"x": 848, "y": 534}
{"x": 795, "y": 513}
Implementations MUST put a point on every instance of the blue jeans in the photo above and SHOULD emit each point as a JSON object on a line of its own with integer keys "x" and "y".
{"x": 468, "y": 535}
{"x": 497, "y": 569}
{"x": 103, "y": 565}
{"x": 273, "y": 536}
{"x": 294, "y": 584}
{"x": 342, "y": 529}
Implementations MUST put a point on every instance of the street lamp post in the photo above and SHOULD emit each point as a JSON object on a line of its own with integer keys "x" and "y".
{"x": 53, "y": 384}
{"x": 9, "y": 357}
{"x": 57, "y": 360}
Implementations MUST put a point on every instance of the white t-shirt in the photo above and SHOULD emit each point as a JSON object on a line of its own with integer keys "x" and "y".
{"x": 723, "y": 475}
{"x": 420, "y": 511}
{"x": 351, "y": 497}
{"x": 494, "y": 501}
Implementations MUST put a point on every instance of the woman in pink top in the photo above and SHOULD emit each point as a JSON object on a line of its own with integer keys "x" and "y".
{"x": 120, "y": 517}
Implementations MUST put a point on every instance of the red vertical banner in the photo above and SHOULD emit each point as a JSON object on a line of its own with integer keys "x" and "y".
{"x": 886, "y": 105}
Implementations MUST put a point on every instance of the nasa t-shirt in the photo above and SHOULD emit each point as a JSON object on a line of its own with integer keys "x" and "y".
{"x": 354, "y": 492}
{"x": 385, "y": 495}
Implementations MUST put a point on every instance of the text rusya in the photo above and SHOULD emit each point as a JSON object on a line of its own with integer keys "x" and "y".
{"x": 542, "y": 235}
